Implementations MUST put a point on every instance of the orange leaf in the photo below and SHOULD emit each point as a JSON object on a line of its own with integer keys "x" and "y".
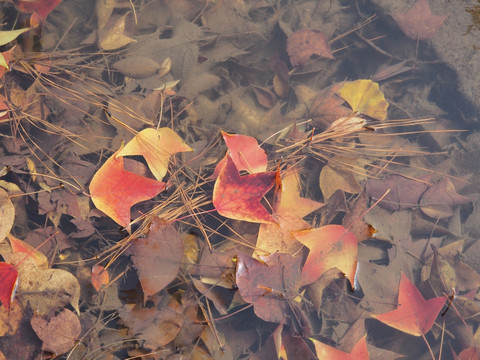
{"x": 100, "y": 277}
{"x": 414, "y": 314}
{"x": 359, "y": 352}
{"x": 246, "y": 153}
{"x": 19, "y": 246}
{"x": 156, "y": 146}
{"x": 331, "y": 246}
{"x": 115, "y": 190}
{"x": 238, "y": 197}
{"x": 41, "y": 7}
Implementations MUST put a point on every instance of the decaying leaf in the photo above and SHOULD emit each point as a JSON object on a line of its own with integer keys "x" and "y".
{"x": 114, "y": 38}
{"x": 157, "y": 257}
{"x": 7, "y": 214}
{"x": 100, "y": 277}
{"x": 365, "y": 97}
{"x": 419, "y": 22}
{"x": 304, "y": 43}
{"x": 58, "y": 333}
{"x": 137, "y": 67}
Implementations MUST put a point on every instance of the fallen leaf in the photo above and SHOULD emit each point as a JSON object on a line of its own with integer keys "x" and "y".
{"x": 10, "y": 35}
{"x": 19, "y": 246}
{"x": 8, "y": 283}
{"x": 365, "y": 97}
{"x": 114, "y": 38}
{"x": 419, "y": 22}
{"x": 100, "y": 277}
{"x": 269, "y": 285}
{"x": 156, "y": 146}
{"x": 414, "y": 315}
{"x": 403, "y": 193}
{"x": 10, "y": 319}
{"x": 59, "y": 333}
{"x": 41, "y": 7}
{"x": 161, "y": 249}
{"x": 359, "y": 352}
{"x": 7, "y": 214}
{"x": 304, "y": 43}
{"x": 137, "y": 67}
{"x": 238, "y": 197}
{"x": 331, "y": 246}
{"x": 437, "y": 201}
{"x": 115, "y": 190}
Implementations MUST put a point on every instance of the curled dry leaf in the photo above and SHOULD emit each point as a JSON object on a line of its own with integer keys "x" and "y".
{"x": 304, "y": 43}
{"x": 59, "y": 333}
{"x": 7, "y": 214}
{"x": 157, "y": 257}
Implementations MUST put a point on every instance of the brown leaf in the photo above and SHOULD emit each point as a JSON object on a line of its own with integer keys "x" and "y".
{"x": 157, "y": 257}
{"x": 7, "y": 214}
{"x": 137, "y": 67}
{"x": 438, "y": 199}
{"x": 419, "y": 22}
{"x": 304, "y": 43}
{"x": 59, "y": 333}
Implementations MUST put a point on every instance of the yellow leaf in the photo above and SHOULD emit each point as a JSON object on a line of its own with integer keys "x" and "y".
{"x": 365, "y": 97}
{"x": 7, "y": 36}
{"x": 31, "y": 168}
{"x": 156, "y": 146}
{"x": 114, "y": 38}
{"x": 3, "y": 62}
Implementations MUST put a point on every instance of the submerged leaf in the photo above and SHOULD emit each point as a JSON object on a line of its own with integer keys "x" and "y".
{"x": 304, "y": 43}
{"x": 414, "y": 314}
{"x": 115, "y": 190}
{"x": 365, "y": 97}
{"x": 238, "y": 197}
{"x": 359, "y": 352}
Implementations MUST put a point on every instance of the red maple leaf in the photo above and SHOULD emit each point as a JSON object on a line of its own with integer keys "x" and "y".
{"x": 359, "y": 351}
{"x": 238, "y": 197}
{"x": 419, "y": 22}
{"x": 114, "y": 190}
{"x": 414, "y": 314}
{"x": 331, "y": 246}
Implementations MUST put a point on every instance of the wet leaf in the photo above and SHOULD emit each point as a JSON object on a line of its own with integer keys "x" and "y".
{"x": 331, "y": 246}
{"x": 19, "y": 246}
{"x": 41, "y": 7}
{"x": 100, "y": 277}
{"x": 8, "y": 283}
{"x": 419, "y": 22}
{"x": 304, "y": 43}
{"x": 10, "y": 319}
{"x": 114, "y": 38}
{"x": 365, "y": 97}
{"x": 10, "y": 35}
{"x": 156, "y": 146}
{"x": 7, "y": 214}
{"x": 404, "y": 193}
{"x": 439, "y": 199}
{"x": 238, "y": 197}
{"x": 414, "y": 315}
{"x": 59, "y": 333}
{"x": 157, "y": 257}
{"x": 137, "y": 67}
{"x": 269, "y": 285}
{"x": 115, "y": 190}
{"x": 359, "y": 352}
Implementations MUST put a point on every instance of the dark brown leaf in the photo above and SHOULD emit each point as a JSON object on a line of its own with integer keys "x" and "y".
{"x": 304, "y": 43}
